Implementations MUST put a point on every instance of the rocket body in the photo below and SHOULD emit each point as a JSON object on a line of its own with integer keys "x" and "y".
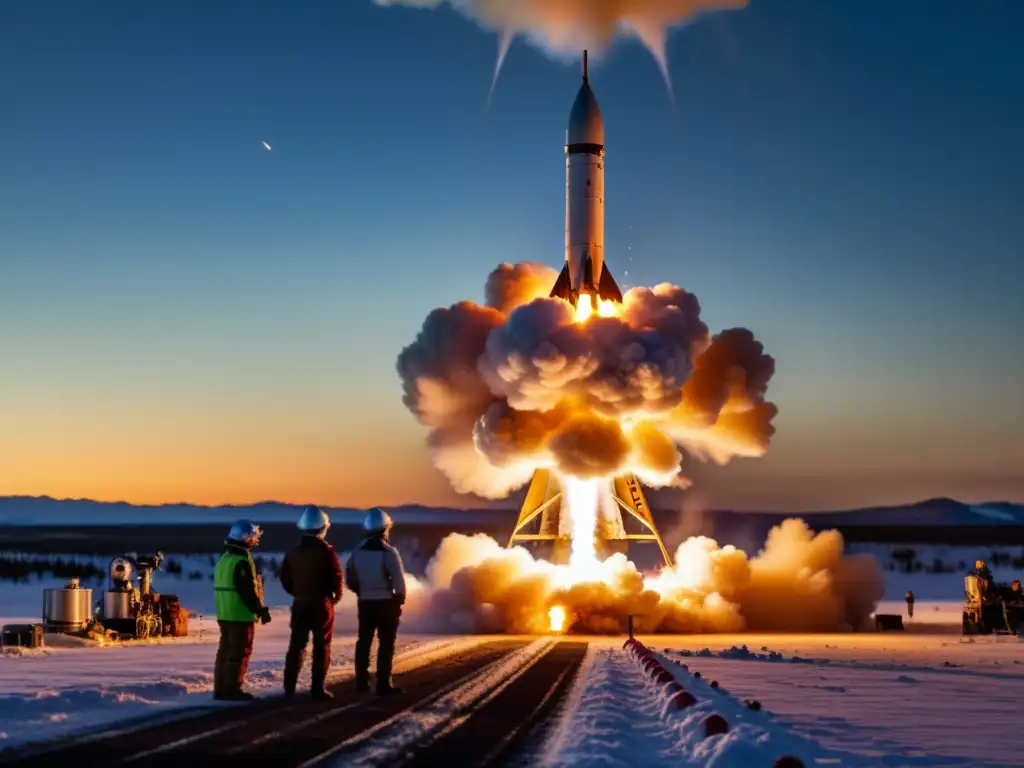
{"x": 584, "y": 271}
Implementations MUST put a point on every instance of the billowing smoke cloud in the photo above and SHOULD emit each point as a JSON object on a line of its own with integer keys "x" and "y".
{"x": 520, "y": 384}
{"x": 799, "y": 582}
{"x": 567, "y": 26}
{"x": 511, "y": 285}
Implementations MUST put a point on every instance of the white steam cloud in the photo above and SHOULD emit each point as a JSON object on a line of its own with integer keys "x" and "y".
{"x": 799, "y": 582}
{"x": 520, "y": 384}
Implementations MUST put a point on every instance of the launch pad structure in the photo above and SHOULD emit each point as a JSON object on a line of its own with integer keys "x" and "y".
{"x": 545, "y": 499}
{"x": 585, "y": 275}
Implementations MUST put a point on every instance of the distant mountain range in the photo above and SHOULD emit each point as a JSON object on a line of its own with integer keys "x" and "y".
{"x": 46, "y": 511}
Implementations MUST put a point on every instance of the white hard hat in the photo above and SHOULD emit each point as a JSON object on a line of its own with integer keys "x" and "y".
{"x": 377, "y": 520}
{"x": 314, "y": 520}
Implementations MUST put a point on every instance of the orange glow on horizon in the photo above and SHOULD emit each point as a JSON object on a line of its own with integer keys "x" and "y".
{"x": 212, "y": 470}
{"x": 359, "y": 449}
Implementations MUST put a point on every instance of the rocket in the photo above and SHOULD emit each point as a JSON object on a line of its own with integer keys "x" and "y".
{"x": 584, "y": 274}
{"x": 584, "y": 271}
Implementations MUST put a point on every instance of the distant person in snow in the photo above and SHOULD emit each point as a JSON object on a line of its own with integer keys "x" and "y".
{"x": 311, "y": 574}
{"x": 238, "y": 598}
{"x": 909, "y": 597}
{"x": 374, "y": 572}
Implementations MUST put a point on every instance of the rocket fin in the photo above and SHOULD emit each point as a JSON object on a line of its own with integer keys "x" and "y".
{"x": 608, "y": 289}
{"x": 563, "y": 285}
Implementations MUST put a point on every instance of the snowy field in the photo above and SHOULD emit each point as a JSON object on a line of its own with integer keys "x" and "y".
{"x": 918, "y": 698}
{"x": 845, "y": 700}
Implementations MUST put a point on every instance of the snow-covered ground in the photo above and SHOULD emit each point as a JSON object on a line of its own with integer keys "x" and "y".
{"x": 73, "y": 686}
{"x": 919, "y": 698}
{"x": 847, "y": 700}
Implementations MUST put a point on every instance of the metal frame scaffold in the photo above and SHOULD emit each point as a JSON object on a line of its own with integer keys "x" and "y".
{"x": 545, "y": 492}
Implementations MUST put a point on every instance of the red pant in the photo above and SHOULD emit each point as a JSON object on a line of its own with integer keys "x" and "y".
{"x": 314, "y": 617}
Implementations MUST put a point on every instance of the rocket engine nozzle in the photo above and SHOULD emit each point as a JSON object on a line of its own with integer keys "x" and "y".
{"x": 606, "y": 287}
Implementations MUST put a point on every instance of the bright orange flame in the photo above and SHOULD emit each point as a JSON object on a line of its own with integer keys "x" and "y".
{"x": 556, "y": 618}
{"x": 585, "y": 307}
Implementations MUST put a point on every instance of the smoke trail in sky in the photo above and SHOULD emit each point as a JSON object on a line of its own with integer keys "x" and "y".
{"x": 564, "y": 27}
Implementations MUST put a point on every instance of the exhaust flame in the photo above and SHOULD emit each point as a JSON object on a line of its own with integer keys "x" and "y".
{"x": 585, "y": 308}
{"x": 556, "y": 619}
{"x": 581, "y": 502}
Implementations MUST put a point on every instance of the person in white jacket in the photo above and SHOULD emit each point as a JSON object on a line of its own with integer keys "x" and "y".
{"x": 375, "y": 574}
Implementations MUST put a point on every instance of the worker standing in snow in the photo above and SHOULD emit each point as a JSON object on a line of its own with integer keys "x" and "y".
{"x": 238, "y": 598}
{"x": 374, "y": 572}
{"x": 312, "y": 575}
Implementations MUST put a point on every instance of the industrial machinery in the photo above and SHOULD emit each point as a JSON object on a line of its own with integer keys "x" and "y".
{"x": 138, "y": 611}
{"x": 988, "y": 608}
{"x": 21, "y": 636}
{"x": 68, "y": 609}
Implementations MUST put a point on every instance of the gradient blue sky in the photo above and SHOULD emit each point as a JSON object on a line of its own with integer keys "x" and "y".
{"x": 186, "y": 316}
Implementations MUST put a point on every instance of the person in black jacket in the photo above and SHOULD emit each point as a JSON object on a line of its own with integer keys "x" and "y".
{"x": 311, "y": 574}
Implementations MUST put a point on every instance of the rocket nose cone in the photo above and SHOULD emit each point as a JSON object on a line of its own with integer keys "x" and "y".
{"x": 585, "y": 123}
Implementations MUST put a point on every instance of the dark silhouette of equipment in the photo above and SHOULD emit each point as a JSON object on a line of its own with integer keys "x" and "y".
{"x": 21, "y": 636}
{"x": 888, "y": 622}
{"x": 991, "y": 608}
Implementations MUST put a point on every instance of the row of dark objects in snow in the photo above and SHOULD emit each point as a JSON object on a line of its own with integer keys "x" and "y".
{"x": 22, "y": 569}
{"x": 679, "y": 698}
{"x": 905, "y": 561}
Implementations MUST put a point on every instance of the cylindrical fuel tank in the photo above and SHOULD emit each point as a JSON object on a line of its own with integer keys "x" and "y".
{"x": 117, "y": 605}
{"x": 66, "y": 610}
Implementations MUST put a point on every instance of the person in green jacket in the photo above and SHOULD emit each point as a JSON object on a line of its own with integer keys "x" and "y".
{"x": 238, "y": 597}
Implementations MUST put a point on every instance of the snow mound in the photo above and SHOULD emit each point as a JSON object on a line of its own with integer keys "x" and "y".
{"x": 613, "y": 696}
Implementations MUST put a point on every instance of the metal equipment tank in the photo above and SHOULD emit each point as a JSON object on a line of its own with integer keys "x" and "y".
{"x": 117, "y": 605}
{"x": 118, "y": 599}
{"x": 68, "y": 609}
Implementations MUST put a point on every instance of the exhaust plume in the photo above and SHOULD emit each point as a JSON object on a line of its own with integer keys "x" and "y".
{"x": 521, "y": 383}
{"x": 799, "y": 582}
{"x": 527, "y": 381}
{"x": 564, "y": 27}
